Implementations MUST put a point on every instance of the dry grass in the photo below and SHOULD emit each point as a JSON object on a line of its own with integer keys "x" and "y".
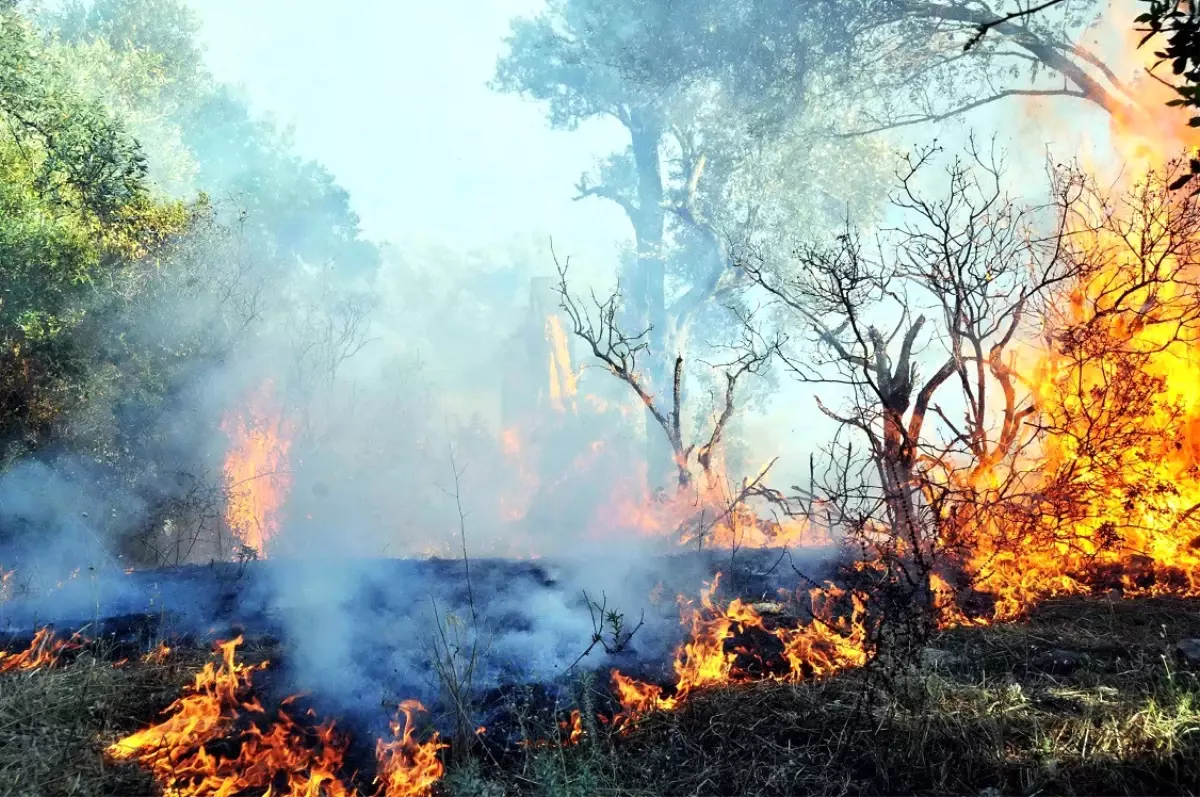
{"x": 1084, "y": 698}
{"x": 54, "y": 723}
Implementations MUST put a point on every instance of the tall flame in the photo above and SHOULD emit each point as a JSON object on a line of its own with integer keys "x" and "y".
{"x": 562, "y": 379}
{"x": 1115, "y": 383}
{"x": 256, "y": 469}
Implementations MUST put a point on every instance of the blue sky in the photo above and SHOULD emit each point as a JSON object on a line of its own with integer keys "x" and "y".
{"x": 391, "y": 96}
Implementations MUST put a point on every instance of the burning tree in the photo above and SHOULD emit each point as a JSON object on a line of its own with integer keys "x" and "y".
{"x": 943, "y": 408}
{"x": 619, "y": 352}
{"x": 1117, "y": 419}
{"x": 256, "y": 471}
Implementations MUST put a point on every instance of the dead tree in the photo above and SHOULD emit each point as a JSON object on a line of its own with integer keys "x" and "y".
{"x": 619, "y": 351}
{"x": 934, "y": 395}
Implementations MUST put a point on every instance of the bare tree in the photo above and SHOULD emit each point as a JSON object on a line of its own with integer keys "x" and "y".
{"x": 619, "y": 352}
{"x": 935, "y": 395}
{"x": 328, "y": 325}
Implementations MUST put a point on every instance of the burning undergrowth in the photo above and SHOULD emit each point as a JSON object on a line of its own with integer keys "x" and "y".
{"x": 394, "y": 635}
{"x": 257, "y": 726}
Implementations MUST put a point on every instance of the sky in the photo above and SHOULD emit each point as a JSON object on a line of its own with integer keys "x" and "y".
{"x": 391, "y": 96}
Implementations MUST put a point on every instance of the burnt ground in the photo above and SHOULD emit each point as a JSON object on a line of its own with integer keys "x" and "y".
{"x": 361, "y": 634}
{"x": 1087, "y": 696}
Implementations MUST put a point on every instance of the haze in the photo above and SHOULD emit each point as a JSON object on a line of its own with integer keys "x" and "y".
{"x": 392, "y": 97}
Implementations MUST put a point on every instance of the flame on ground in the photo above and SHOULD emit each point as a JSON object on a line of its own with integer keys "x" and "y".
{"x": 285, "y": 759}
{"x": 256, "y": 469}
{"x": 44, "y": 651}
{"x": 406, "y": 766}
{"x": 833, "y": 640}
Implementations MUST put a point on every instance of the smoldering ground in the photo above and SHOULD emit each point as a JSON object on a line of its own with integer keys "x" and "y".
{"x": 358, "y": 636}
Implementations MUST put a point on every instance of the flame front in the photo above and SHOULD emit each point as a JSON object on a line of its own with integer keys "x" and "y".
{"x": 256, "y": 469}
{"x": 834, "y": 640}
{"x": 43, "y": 651}
{"x": 285, "y": 759}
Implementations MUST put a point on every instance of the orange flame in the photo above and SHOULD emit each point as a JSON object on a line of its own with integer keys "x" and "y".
{"x": 1120, "y": 392}
{"x": 256, "y": 469}
{"x": 562, "y": 378}
{"x": 573, "y": 727}
{"x": 407, "y": 768}
{"x": 305, "y": 763}
{"x": 44, "y": 651}
{"x": 826, "y": 645}
{"x": 157, "y": 656}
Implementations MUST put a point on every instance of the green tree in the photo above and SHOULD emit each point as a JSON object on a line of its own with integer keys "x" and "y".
{"x": 709, "y": 166}
{"x": 142, "y": 59}
{"x": 75, "y": 209}
{"x": 907, "y": 62}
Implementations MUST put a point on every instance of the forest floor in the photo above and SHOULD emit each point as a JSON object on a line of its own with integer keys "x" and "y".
{"x": 1085, "y": 697}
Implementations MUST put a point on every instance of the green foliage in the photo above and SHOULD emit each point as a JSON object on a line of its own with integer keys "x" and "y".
{"x": 718, "y": 105}
{"x": 142, "y": 58}
{"x": 74, "y": 206}
{"x": 114, "y": 296}
{"x": 1179, "y": 22}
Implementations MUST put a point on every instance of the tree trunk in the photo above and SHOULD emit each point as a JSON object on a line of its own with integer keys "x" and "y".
{"x": 649, "y": 288}
{"x": 902, "y": 500}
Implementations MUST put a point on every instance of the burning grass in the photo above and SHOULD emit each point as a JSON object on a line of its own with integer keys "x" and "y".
{"x": 738, "y": 644}
{"x": 55, "y": 721}
{"x": 1085, "y": 696}
{"x": 218, "y": 739}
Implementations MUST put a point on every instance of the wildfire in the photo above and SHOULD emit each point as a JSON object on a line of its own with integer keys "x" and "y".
{"x": 562, "y": 378}
{"x": 44, "y": 651}
{"x": 1122, "y": 511}
{"x": 285, "y": 759}
{"x": 256, "y": 469}
{"x": 714, "y": 653}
